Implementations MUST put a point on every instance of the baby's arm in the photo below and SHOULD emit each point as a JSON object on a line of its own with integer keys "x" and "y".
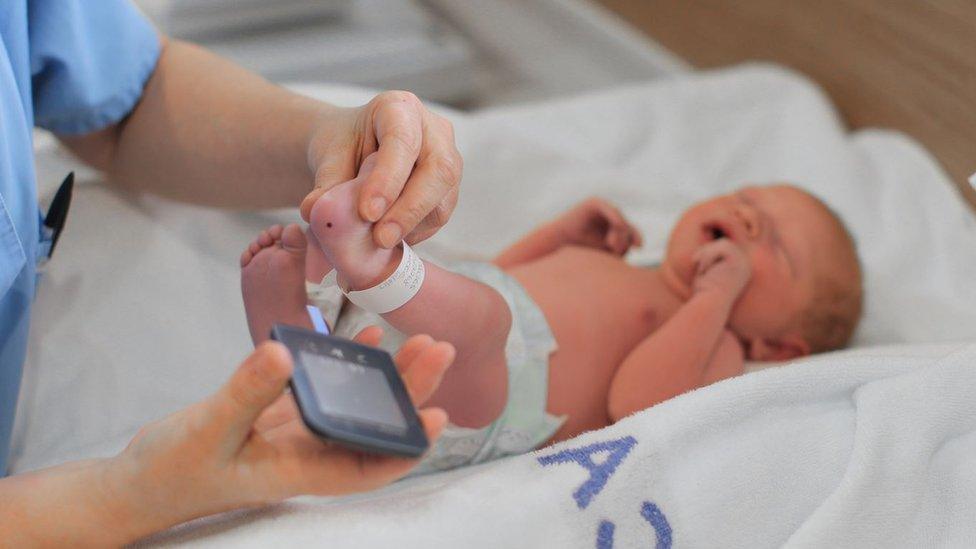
{"x": 594, "y": 222}
{"x": 693, "y": 348}
{"x": 542, "y": 241}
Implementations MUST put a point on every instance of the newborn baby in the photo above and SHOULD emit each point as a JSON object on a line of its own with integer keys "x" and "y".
{"x": 559, "y": 335}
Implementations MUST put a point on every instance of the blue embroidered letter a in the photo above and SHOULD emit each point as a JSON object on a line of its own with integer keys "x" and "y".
{"x": 599, "y": 474}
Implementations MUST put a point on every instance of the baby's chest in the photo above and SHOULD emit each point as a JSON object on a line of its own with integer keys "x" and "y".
{"x": 594, "y": 301}
{"x": 623, "y": 315}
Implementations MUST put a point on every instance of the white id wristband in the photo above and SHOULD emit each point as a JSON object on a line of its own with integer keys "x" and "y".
{"x": 395, "y": 291}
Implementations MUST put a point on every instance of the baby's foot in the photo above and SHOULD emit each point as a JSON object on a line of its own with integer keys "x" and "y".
{"x": 273, "y": 281}
{"x": 347, "y": 240}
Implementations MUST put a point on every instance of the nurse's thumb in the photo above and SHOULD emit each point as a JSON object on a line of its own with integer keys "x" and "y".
{"x": 256, "y": 384}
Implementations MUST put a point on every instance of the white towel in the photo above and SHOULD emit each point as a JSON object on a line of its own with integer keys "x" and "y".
{"x": 846, "y": 450}
{"x": 859, "y": 449}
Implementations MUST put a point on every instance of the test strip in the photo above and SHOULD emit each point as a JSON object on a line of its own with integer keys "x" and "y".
{"x": 318, "y": 322}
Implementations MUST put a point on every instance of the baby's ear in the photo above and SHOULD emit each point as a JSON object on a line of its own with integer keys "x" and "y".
{"x": 783, "y": 348}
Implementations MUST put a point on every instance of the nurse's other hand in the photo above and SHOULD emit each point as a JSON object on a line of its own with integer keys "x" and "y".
{"x": 246, "y": 445}
{"x": 414, "y": 187}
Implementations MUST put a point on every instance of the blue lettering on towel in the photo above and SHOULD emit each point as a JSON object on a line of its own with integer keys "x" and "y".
{"x": 599, "y": 474}
{"x": 659, "y": 522}
{"x": 604, "y": 535}
{"x": 653, "y": 515}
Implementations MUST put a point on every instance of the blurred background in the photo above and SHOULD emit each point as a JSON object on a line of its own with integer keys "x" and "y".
{"x": 903, "y": 65}
{"x": 464, "y": 54}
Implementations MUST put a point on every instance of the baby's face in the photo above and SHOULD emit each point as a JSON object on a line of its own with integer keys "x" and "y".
{"x": 786, "y": 235}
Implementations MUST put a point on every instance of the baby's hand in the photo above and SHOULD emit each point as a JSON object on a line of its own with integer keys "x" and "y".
{"x": 597, "y": 223}
{"x": 722, "y": 267}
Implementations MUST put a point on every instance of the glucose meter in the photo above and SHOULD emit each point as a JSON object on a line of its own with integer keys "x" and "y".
{"x": 351, "y": 394}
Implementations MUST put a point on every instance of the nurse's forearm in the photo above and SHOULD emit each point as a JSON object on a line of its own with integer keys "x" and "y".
{"x": 210, "y": 132}
{"x": 64, "y": 506}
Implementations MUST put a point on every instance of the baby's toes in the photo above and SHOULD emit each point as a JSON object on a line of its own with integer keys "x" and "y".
{"x": 293, "y": 239}
{"x": 265, "y": 239}
{"x": 246, "y": 258}
{"x": 249, "y": 252}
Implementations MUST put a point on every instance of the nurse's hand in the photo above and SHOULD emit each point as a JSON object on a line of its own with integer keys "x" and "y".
{"x": 414, "y": 187}
{"x": 246, "y": 445}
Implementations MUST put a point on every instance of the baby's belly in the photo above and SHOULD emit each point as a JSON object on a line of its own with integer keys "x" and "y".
{"x": 598, "y": 308}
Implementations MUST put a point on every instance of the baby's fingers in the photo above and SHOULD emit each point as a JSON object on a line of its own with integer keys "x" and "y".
{"x": 628, "y": 234}
{"x": 617, "y": 240}
{"x": 635, "y": 236}
{"x": 609, "y": 212}
{"x": 707, "y": 256}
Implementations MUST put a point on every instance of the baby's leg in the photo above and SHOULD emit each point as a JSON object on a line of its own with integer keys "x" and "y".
{"x": 273, "y": 281}
{"x": 449, "y": 307}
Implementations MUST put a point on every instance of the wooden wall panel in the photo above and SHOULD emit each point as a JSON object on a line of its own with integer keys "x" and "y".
{"x": 904, "y": 64}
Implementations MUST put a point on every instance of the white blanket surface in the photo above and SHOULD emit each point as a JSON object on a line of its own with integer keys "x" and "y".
{"x": 140, "y": 314}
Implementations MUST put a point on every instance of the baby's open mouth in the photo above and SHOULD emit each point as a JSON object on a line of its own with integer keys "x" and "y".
{"x": 714, "y": 231}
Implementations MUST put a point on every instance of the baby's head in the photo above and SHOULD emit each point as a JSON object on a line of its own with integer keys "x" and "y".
{"x": 804, "y": 295}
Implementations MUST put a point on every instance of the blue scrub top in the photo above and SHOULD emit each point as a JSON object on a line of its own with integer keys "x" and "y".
{"x": 73, "y": 67}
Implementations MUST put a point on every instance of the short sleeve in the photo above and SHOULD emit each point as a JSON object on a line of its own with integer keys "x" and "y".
{"x": 90, "y": 60}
